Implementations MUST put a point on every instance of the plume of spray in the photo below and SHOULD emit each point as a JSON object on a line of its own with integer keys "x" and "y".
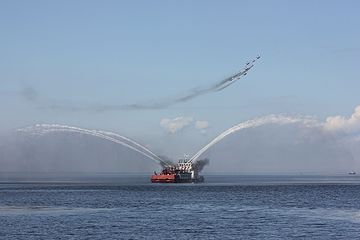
{"x": 275, "y": 119}
{"x": 41, "y": 129}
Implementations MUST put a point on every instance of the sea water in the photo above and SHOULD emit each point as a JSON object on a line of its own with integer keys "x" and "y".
{"x": 224, "y": 207}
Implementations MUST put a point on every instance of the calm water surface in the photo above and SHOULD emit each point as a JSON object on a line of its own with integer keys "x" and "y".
{"x": 225, "y": 207}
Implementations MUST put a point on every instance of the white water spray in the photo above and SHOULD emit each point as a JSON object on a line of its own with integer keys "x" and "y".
{"x": 42, "y": 129}
{"x": 277, "y": 119}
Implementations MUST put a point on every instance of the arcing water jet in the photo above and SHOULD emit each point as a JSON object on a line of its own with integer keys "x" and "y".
{"x": 277, "y": 119}
{"x": 41, "y": 129}
{"x": 186, "y": 170}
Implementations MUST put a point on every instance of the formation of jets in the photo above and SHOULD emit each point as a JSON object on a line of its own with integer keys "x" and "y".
{"x": 228, "y": 81}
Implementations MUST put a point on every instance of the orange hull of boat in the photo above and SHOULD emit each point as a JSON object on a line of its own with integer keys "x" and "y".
{"x": 163, "y": 178}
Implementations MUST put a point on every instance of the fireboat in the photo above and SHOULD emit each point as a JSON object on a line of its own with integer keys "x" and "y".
{"x": 183, "y": 172}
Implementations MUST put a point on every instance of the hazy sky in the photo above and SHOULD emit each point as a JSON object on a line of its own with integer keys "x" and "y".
{"x": 61, "y": 59}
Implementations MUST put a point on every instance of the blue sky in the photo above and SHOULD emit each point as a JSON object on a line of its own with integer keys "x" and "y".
{"x": 124, "y": 52}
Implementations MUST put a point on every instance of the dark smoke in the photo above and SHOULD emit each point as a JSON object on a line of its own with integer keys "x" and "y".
{"x": 200, "y": 164}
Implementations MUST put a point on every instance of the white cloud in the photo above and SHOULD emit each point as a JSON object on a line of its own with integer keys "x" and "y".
{"x": 351, "y": 124}
{"x": 176, "y": 124}
{"x": 202, "y": 126}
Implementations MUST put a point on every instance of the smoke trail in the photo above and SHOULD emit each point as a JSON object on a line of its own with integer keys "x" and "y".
{"x": 41, "y": 129}
{"x": 195, "y": 92}
{"x": 278, "y": 119}
{"x": 32, "y": 95}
